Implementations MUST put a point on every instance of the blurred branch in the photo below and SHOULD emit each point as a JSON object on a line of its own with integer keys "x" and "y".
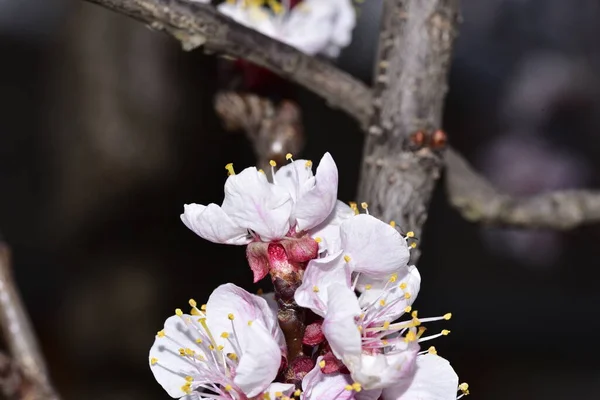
{"x": 478, "y": 201}
{"x": 20, "y": 336}
{"x": 196, "y": 25}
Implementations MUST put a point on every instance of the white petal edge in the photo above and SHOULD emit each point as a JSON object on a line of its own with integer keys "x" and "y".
{"x": 213, "y": 224}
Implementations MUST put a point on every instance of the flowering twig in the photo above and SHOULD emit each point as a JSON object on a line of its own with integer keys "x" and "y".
{"x": 196, "y": 24}
{"x": 478, "y": 201}
{"x": 20, "y": 337}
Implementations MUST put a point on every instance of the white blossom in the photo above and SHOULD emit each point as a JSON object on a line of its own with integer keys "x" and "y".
{"x": 312, "y": 26}
{"x": 228, "y": 349}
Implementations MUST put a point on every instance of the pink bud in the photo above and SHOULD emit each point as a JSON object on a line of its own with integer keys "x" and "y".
{"x": 313, "y": 335}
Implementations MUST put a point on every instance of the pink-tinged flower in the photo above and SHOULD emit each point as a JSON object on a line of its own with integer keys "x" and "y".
{"x": 231, "y": 348}
{"x": 274, "y": 219}
{"x": 433, "y": 379}
{"x": 362, "y": 333}
{"x": 311, "y": 26}
{"x": 317, "y": 385}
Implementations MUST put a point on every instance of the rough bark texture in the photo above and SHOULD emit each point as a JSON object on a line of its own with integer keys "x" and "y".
{"x": 478, "y": 201}
{"x": 398, "y": 173}
{"x": 198, "y": 24}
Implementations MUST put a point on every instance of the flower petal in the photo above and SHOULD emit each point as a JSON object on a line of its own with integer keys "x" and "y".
{"x": 397, "y": 295}
{"x": 319, "y": 386}
{"x": 386, "y": 250}
{"x": 434, "y": 379}
{"x": 378, "y": 371}
{"x": 254, "y": 203}
{"x": 297, "y": 177}
{"x": 213, "y": 224}
{"x": 169, "y": 367}
{"x": 260, "y": 361}
{"x": 231, "y": 299}
{"x": 319, "y": 275}
{"x": 328, "y": 231}
{"x": 314, "y": 205}
{"x": 339, "y": 325}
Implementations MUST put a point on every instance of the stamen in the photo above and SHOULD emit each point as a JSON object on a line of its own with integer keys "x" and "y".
{"x": 289, "y": 156}
{"x": 354, "y": 207}
{"x": 153, "y": 360}
{"x": 308, "y": 164}
{"x": 347, "y": 258}
{"x": 393, "y": 224}
{"x": 230, "y": 170}
{"x": 315, "y": 289}
{"x": 365, "y": 207}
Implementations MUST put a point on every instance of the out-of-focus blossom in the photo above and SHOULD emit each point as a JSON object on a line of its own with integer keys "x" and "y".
{"x": 311, "y": 26}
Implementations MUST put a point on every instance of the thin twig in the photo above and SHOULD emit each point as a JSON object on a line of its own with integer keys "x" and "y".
{"x": 195, "y": 24}
{"x": 478, "y": 201}
{"x": 18, "y": 332}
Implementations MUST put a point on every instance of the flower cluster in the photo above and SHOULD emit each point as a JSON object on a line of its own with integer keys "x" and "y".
{"x": 312, "y": 26}
{"x": 348, "y": 270}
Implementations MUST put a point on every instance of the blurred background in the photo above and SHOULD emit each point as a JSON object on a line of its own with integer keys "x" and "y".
{"x": 107, "y": 129}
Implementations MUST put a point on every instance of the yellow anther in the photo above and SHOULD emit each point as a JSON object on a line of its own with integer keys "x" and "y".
{"x": 211, "y": 347}
{"x": 384, "y": 342}
{"x": 249, "y": 323}
{"x": 356, "y": 386}
{"x": 288, "y": 156}
{"x": 413, "y": 245}
{"x": 225, "y": 335}
{"x": 195, "y": 312}
{"x": 160, "y": 333}
{"x": 464, "y": 387}
{"x": 407, "y": 295}
{"x": 422, "y": 330}
{"x": 407, "y": 309}
{"x": 266, "y": 396}
{"x": 368, "y": 286}
{"x": 416, "y": 322}
{"x": 220, "y": 347}
{"x": 445, "y": 332}
{"x": 230, "y": 170}
{"x": 364, "y": 205}
{"x": 382, "y": 302}
{"x": 278, "y": 394}
{"x": 308, "y": 164}
{"x": 322, "y": 363}
{"x": 187, "y": 389}
{"x": 347, "y": 258}
{"x": 297, "y": 393}
{"x": 386, "y": 325}
{"x": 410, "y": 234}
{"x": 393, "y": 224}
{"x": 272, "y": 163}
{"x": 432, "y": 350}
{"x": 189, "y": 379}
{"x": 182, "y": 352}
{"x": 228, "y": 388}
{"x": 315, "y": 289}
{"x": 414, "y": 314}
{"x": 262, "y": 171}
{"x": 178, "y": 312}
{"x": 199, "y": 340}
{"x": 193, "y": 303}
{"x": 230, "y": 316}
{"x": 349, "y": 388}
{"x": 232, "y": 356}
{"x": 153, "y": 361}
{"x": 354, "y": 207}
{"x": 203, "y": 307}
{"x": 394, "y": 277}
{"x": 410, "y": 337}
{"x": 360, "y": 328}
{"x": 318, "y": 240}
{"x": 189, "y": 352}
{"x": 447, "y": 316}
{"x": 403, "y": 285}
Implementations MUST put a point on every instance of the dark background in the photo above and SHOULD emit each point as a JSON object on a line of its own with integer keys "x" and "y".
{"x": 107, "y": 129}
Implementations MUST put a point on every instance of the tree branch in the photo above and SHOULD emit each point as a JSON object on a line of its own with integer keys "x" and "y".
{"x": 398, "y": 173}
{"x": 478, "y": 201}
{"x": 196, "y": 24}
{"x": 19, "y": 335}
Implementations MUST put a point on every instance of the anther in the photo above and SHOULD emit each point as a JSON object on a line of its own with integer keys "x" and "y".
{"x": 178, "y": 312}
{"x": 318, "y": 240}
{"x": 225, "y": 335}
{"x": 447, "y": 316}
{"x": 161, "y": 333}
{"x": 230, "y": 316}
{"x": 288, "y": 156}
{"x": 322, "y": 363}
{"x": 193, "y": 303}
{"x": 153, "y": 361}
{"x": 230, "y": 170}
{"x": 393, "y": 224}
{"x": 410, "y": 234}
{"x": 432, "y": 350}
{"x": 347, "y": 258}
{"x": 272, "y": 163}
{"x": 445, "y": 332}
{"x": 308, "y": 164}
{"x": 364, "y": 205}
{"x": 315, "y": 289}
